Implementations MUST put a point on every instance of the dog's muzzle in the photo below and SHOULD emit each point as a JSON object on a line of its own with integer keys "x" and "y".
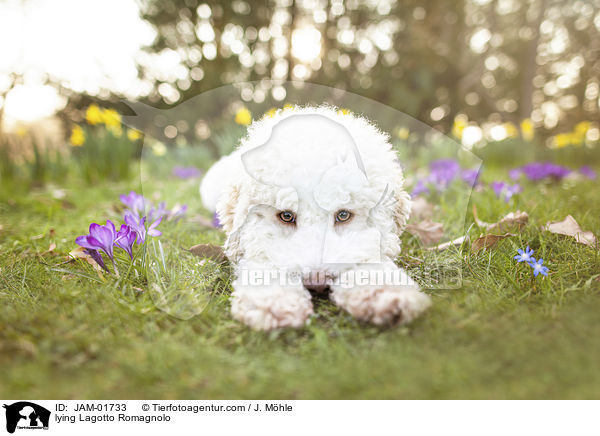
{"x": 318, "y": 282}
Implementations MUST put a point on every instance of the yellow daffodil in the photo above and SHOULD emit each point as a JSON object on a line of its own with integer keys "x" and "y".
{"x": 133, "y": 135}
{"x": 527, "y": 130}
{"x": 159, "y": 149}
{"x": 562, "y": 140}
{"x": 271, "y": 113}
{"x": 77, "y": 136}
{"x": 117, "y": 131}
{"x": 460, "y": 122}
{"x": 582, "y": 128}
{"x": 403, "y": 133}
{"x": 21, "y": 131}
{"x": 243, "y": 116}
{"x": 93, "y": 115}
{"x": 111, "y": 118}
{"x": 511, "y": 130}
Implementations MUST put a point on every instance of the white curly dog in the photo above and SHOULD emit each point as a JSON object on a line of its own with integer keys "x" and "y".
{"x": 313, "y": 200}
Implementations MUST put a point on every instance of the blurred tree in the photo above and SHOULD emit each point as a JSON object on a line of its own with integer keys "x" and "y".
{"x": 12, "y": 80}
{"x": 493, "y": 60}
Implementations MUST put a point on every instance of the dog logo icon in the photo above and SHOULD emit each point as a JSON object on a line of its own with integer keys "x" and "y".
{"x": 26, "y": 415}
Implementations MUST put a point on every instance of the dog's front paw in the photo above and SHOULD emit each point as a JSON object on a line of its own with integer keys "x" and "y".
{"x": 381, "y": 305}
{"x": 269, "y": 309}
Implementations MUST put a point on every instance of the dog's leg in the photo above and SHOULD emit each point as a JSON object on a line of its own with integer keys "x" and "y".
{"x": 271, "y": 305}
{"x": 363, "y": 294}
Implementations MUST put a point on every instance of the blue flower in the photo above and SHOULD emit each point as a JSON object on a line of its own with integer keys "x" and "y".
{"x": 538, "y": 268}
{"x": 524, "y": 256}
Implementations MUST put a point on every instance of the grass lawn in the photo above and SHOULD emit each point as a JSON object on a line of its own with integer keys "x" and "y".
{"x": 64, "y": 333}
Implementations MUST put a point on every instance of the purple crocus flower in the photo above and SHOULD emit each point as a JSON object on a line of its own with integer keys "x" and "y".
{"x": 186, "y": 172}
{"x": 470, "y": 177}
{"x": 419, "y": 189}
{"x": 541, "y": 170}
{"x": 134, "y": 201}
{"x": 125, "y": 239}
{"x": 443, "y": 171}
{"x": 512, "y": 190}
{"x": 176, "y": 213}
{"x": 498, "y": 188}
{"x": 557, "y": 171}
{"x": 100, "y": 238}
{"x": 504, "y": 190}
{"x": 588, "y": 172}
{"x": 138, "y": 225}
{"x": 515, "y": 174}
{"x": 95, "y": 254}
{"x": 158, "y": 212}
{"x": 216, "y": 222}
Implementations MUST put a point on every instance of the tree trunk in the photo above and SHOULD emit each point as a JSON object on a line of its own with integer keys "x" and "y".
{"x": 530, "y": 66}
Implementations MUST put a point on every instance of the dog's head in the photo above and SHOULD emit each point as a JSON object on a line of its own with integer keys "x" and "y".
{"x": 318, "y": 189}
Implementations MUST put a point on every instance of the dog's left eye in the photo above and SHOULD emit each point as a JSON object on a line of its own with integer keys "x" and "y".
{"x": 341, "y": 216}
{"x": 287, "y": 217}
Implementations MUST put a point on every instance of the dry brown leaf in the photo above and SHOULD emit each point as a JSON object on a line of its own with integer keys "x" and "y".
{"x": 427, "y": 231}
{"x": 79, "y": 253}
{"x": 569, "y": 227}
{"x": 518, "y": 219}
{"x": 421, "y": 209}
{"x": 209, "y": 251}
{"x": 488, "y": 241}
{"x": 50, "y": 249}
{"x": 455, "y": 242}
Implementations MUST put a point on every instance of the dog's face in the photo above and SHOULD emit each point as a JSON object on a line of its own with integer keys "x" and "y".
{"x": 313, "y": 199}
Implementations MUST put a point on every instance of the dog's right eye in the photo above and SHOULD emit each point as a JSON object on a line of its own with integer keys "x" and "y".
{"x": 287, "y": 217}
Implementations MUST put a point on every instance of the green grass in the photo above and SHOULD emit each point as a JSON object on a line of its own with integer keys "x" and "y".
{"x": 64, "y": 333}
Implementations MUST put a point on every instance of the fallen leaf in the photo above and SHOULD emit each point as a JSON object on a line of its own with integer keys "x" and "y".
{"x": 421, "y": 209}
{"x": 79, "y": 253}
{"x": 569, "y": 227}
{"x": 488, "y": 241}
{"x": 509, "y": 220}
{"x": 209, "y": 251}
{"x": 455, "y": 242}
{"x": 50, "y": 249}
{"x": 427, "y": 231}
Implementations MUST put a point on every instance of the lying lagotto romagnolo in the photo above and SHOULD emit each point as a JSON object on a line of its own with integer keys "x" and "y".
{"x": 313, "y": 200}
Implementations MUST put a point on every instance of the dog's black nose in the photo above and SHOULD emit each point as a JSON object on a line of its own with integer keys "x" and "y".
{"x": 317, "y": 289}
{"x": 316, "y": 282}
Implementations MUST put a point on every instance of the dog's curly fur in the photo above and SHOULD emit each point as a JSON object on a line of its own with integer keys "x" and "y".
{"x": 313, "y": 161}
